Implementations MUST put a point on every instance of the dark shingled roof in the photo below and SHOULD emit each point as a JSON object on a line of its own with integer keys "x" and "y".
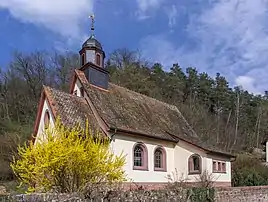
{"x": 123, "y": 109}
{"x": 71, "y": 109}
{"x": 92, "y": 43}
{"x": 128, "y": 110}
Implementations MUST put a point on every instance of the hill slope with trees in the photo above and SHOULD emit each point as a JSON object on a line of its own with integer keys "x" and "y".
{"x": 229, "y": 117}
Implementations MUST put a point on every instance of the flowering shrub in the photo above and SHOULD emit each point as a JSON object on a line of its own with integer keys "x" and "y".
{"x": 66, "y": 160}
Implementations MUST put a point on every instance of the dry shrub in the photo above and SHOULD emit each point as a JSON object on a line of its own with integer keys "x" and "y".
{"x": 8, "y": 148}
{"x": 245, "y": 174}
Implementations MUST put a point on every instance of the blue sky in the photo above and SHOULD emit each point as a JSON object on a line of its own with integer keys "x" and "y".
{"x": 226, "y": 36}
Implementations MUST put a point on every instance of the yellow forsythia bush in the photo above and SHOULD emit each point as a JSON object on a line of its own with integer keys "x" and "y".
{"x": 66, "y": 160}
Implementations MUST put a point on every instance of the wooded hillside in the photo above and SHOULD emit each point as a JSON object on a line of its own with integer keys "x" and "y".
{"x": 230, "y": 117}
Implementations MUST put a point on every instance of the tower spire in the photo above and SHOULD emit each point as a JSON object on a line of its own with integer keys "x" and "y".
{"x": 92, "y": 17}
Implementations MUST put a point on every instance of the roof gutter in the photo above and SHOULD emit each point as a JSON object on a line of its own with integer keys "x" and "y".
{"x": 223, "y": 154}
{"x": 114, "y": 130}
{"x": 209, "y": 151}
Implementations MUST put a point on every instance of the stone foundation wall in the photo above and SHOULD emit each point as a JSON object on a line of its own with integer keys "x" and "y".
{"x": 161, "y": 186}
{"x": 231, "y": 194}
{"x": 242, "y": 194}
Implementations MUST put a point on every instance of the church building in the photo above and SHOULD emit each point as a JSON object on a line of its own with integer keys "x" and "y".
{"x": 154, "y": 136}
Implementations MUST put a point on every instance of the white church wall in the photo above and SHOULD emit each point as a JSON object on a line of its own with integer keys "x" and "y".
{"x": 219, "y": 177}
{"x": 181, "y": 155}
{"x": 123, "y": 143}
{"x": 177, "y": 161}
{"x": 41, "y": 127}
{"x": 77, "y": 87}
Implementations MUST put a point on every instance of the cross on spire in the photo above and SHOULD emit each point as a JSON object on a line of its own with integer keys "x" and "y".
{"x": 92, "y": 17}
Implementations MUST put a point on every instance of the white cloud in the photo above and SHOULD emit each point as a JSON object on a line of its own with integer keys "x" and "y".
{"x": 150, "y": 8}
{"x": 61, "y": 16}
{"x": 172, "y": 16}
{"x": 145, "y": 6}
{"x": 247, "y": 83}
{"x": 231, "y": 38}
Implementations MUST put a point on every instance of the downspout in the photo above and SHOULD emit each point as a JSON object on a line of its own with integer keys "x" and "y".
{"x": 113, "y": 134}
{"x": 266, "y": 150}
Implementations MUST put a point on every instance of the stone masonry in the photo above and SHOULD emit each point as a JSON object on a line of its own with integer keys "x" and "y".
{"x": 231, "y": 194}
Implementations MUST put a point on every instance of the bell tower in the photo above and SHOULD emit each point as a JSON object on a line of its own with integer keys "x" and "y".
{"x": 92, "y": 60}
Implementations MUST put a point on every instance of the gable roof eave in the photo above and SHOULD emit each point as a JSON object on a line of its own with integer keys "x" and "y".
{"x": 125, "y": 131}
{"x": 102, "y": 124}
{"x": 38, "y": 114}
{"x": 210, "y": 151}
{"x": 225, "y": 154}
{"x": 44, "y": 96}
{"x": 73, "y": 80}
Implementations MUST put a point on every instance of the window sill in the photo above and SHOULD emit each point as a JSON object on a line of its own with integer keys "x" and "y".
{"x": 160, "y": 169}
{"x": 140, "y": 168}
{"x": 194, "y": 173}
{"x": 222, "y": 172}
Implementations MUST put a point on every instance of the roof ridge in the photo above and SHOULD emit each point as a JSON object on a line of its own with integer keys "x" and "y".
{"x": 61, "y": 91}
{"x": 186, "y": 122}
{"x": 172, "y": 107}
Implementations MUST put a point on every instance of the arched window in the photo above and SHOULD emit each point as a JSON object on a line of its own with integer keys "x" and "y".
{"x": 98, "y": 59}
{"x": 46, "y": 119}
{"x": 83, "y": 59}
{"x": 140, "y": 157}
{"x": 160, "y": 159}
{"x": 194, "y": 164}
{"x": 82, "y": 92}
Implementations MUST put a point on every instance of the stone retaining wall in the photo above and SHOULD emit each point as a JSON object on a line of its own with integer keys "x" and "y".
{"x": 231, "y": 194}
{"x": 242, "y": 194}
